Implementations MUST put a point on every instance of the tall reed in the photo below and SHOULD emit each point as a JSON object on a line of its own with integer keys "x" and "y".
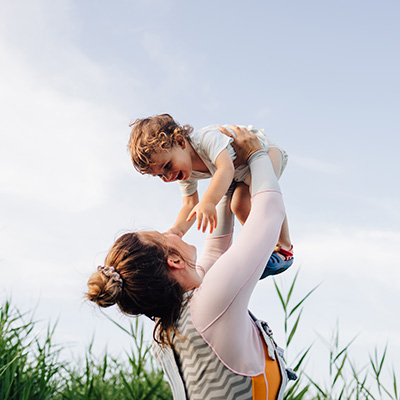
{"x": 344, "y": 380}
{"x": 29, "y": 364}
{"x": 31, "y": 369}
{"x": 107, "y": 377}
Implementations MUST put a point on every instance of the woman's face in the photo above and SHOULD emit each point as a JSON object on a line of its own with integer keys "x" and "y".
{"x": 187, "y": 251}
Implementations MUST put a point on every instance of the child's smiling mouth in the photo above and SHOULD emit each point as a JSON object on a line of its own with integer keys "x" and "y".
{"x": 179, "y": 176}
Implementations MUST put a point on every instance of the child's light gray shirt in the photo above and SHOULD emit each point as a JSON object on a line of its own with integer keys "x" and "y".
{"x": 208, "y": 143}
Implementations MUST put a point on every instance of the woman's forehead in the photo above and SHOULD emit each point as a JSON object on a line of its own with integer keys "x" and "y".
{"x": 155, "y": 235}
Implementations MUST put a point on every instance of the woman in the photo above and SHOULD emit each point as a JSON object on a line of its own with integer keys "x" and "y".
{"x": 208, "y": 344}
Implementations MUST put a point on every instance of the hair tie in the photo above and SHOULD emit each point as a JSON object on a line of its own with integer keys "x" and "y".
{"x": 112, "y": 273}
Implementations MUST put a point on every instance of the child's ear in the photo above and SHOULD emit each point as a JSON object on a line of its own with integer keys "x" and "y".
{"x": 174, "y": 261}
{"x": 180, "y": 141}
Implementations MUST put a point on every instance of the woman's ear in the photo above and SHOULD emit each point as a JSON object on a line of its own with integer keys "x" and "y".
{"x": 174, "y": 261}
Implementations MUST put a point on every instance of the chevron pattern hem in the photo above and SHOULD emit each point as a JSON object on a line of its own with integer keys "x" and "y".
{"x": 205, "y": 376}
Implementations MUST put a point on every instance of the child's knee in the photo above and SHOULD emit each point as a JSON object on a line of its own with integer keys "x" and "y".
{"x": 275, "y": 156}
{"x": 241, "y": 203}
{"x": 240, "y": 212}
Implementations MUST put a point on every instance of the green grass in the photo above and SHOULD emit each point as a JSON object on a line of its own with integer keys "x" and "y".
{"x": 30, "y": 365}
{"x": 343, "y": 380}
{"x": 30, "y": 368}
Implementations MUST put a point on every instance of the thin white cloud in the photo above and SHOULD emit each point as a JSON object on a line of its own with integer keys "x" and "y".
{"x": 58, "y": 147}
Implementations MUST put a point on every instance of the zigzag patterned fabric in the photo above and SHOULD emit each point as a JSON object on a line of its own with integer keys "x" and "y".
{"x": 205, "y": 376}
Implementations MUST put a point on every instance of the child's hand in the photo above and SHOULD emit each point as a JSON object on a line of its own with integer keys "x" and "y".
{"x": 206, "y": 213}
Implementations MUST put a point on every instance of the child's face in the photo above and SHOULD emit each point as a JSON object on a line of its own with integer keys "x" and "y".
{"x": 171, "y": 165}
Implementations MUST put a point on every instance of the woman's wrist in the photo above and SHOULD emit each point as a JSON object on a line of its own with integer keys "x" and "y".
{"x": 257, "y": 154}
{"x": 263, "y": 177}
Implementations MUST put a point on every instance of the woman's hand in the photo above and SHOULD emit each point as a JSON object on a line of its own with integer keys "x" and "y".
{"x": 244, "y": 142}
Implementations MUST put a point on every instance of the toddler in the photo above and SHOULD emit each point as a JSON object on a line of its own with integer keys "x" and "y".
{"x": 161, "y": 147}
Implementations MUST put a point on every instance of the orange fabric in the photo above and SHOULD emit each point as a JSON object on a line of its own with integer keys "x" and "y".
{"x": 259, "y": 387}
{"x": 273, "y": 375}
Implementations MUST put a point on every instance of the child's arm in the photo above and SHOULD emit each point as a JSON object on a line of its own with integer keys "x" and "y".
{"x": 206, "y": 210}
{"x": 181, "y": 225}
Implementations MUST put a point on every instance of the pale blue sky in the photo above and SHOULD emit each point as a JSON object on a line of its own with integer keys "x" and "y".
{"x": 322, "y": 78}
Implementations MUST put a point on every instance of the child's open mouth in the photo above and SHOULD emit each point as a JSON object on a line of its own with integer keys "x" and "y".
{"x": 180, "y": 176}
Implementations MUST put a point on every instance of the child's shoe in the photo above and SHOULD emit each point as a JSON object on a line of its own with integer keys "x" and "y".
{"x": 276, "y": 265}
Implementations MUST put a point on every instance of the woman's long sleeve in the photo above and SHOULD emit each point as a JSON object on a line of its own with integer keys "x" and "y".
{"x": 219, "y": 306}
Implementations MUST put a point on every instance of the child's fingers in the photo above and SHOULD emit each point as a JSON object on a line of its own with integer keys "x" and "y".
{"x": 205, "y": 223}
{"x": 213, "y": 224}
{"x": 199, "y": 217}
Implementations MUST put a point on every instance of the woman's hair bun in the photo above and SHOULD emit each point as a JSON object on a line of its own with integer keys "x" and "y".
{"x": 104, "y": 286}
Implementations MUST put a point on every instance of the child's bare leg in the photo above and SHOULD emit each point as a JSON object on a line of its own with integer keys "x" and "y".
{"x": 276, "y": 160}
{"x": 241, "y": 202}
{"x": 282, "y": 258}
{"x": 284, "y": 237}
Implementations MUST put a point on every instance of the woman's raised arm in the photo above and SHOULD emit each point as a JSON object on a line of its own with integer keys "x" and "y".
{"x": 229, "y": 283}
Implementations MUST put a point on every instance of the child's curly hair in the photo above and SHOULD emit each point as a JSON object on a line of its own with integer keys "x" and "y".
{"x": 154, "y": 135}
